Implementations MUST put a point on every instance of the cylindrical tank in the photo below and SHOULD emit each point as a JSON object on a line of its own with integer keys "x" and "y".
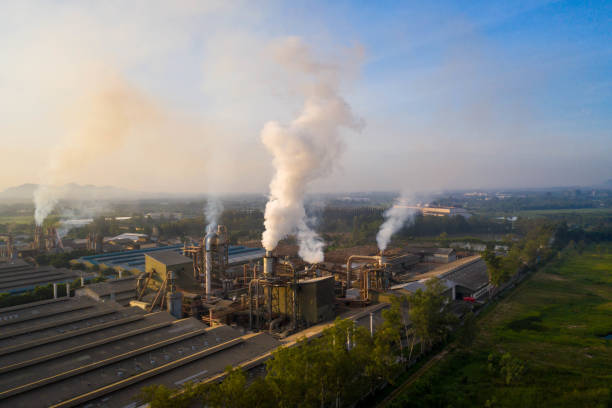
{"x": 175, "y": 304}
{"x": 268, "y": 265}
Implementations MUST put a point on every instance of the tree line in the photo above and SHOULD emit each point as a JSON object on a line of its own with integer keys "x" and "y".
{"x": 542, "y": 239}
{"x": 338, "y": 369}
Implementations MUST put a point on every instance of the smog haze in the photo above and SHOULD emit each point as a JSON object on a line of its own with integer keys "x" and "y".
{"x": 173, "y": 97}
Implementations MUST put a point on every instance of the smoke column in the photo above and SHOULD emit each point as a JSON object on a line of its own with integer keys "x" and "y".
{"x": 212, "y": 211}
{"x": 98, "y": 124}
{"x": 303, "y": 150}
{"x": 395, "y": 218}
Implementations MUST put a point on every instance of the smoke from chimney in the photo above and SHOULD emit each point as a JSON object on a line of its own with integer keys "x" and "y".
{"x": 395, "y": 218}
{"x": 98, "y": 124}
{"x": 212, "y": 212}
{"x": 304, "y": 150}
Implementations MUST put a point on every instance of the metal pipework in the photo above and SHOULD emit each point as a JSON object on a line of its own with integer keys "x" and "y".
{"x": 349, "y": 264}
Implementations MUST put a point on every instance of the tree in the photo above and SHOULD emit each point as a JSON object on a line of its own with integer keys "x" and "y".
{"x": 160, "y": 396}
{"x": 500, "y": 269}
{"x": 506, "y": 366}
{"x": 468, "y": 331}
{"x": 234, "y": 392}
{"x": 430, "y": 314}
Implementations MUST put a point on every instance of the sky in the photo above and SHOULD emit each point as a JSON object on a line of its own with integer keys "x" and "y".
{"x": 162, "y": 96}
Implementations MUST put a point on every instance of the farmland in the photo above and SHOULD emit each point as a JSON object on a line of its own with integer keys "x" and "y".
{"x": 552, "y": 327}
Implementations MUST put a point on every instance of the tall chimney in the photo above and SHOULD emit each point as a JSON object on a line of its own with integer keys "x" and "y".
{"x": 268, "y": 265}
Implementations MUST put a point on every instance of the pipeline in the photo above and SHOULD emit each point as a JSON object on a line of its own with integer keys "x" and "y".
{"x": 349, "y": 264}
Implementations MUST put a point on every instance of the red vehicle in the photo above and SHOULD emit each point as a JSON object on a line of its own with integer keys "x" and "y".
{"x": 469, "y": 299}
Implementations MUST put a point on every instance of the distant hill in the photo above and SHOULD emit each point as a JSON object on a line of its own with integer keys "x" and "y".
{"x": 23, "y": 192}
{"x": 73, "y": 192}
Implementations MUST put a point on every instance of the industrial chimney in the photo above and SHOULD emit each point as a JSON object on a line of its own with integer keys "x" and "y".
{"x": 268, "y": 264}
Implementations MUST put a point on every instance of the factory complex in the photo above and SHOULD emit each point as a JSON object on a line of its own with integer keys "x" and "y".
{"x": 172, "y": 314}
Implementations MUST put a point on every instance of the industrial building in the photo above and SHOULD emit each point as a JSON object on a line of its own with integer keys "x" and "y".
{"x": 135, "y": 260}
{"x": 471, "y": 279}
{"x": 163, "y": 262}
{"x": 409, "y": 288}
{"x": 433, "y": 254}
{"x": 121, "y": 290}
{"x": 438, "y": 211}
{"x": 201, "y": 307}
{"x": 19, "y": 276}
{"x": 75, "y": 351}
{"x": 315, "y": 300}
{"x": 467, "y": 277}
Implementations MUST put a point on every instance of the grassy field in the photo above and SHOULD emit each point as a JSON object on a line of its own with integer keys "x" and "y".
{"x": 16, "y": 219}
{"x": 605, "y": 211}
{"x": 553, "y": 323}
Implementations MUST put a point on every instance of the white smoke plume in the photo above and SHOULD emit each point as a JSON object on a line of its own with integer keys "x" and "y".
{"x": 98, "y": 124}
{"x": 395, "y": 218}
{"x": 45, "y": 200}
{"x": 212, "y": 212}
{"x": 304, "y": 150}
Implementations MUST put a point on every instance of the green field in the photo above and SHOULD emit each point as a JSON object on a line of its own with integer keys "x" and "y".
{"x": 16, "y": 219}
{"x": 598, "y": 212}
{"x": 553, "y": 324}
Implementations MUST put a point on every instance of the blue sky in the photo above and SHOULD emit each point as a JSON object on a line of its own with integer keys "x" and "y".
{"x": 453, "y": 94}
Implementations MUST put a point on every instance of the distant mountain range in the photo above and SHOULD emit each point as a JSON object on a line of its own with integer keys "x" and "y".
{"x": 72, "y": 191}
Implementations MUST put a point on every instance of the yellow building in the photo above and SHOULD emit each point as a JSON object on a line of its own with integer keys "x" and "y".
{"x": 162, "y": 262}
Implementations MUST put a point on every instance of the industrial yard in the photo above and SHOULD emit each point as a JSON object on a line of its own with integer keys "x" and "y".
{"x": 237, "y": 204}
{"x": 171, "y": 314}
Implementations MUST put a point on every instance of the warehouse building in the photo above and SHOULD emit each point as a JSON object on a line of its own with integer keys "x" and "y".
{"x": 134, "y": 261}
{"x": 121, "y": 291}
{"x": 467, "y": 276}
{"x": 433, "y": 254}
{"x": 410, "y": 288}
{"x": 471, "y": 279}
{"x": 76, "y": 351}
{"x": 19, "y": 276}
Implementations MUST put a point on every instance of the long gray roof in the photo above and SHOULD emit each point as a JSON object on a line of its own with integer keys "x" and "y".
{"x": 169, "y": 257}
{"x": 21, "y": 277}
{"x": 472, "y": 276}
{"x": 76, "y": 351}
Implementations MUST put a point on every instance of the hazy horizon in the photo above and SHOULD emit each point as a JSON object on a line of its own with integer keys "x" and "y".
{"x": 173, "y": 97}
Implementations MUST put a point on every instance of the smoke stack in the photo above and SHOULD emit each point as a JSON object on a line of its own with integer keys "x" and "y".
{"x": 382, "y": 259}
{"x": 268, "y": 265}
{"x": 210, "y": 241}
